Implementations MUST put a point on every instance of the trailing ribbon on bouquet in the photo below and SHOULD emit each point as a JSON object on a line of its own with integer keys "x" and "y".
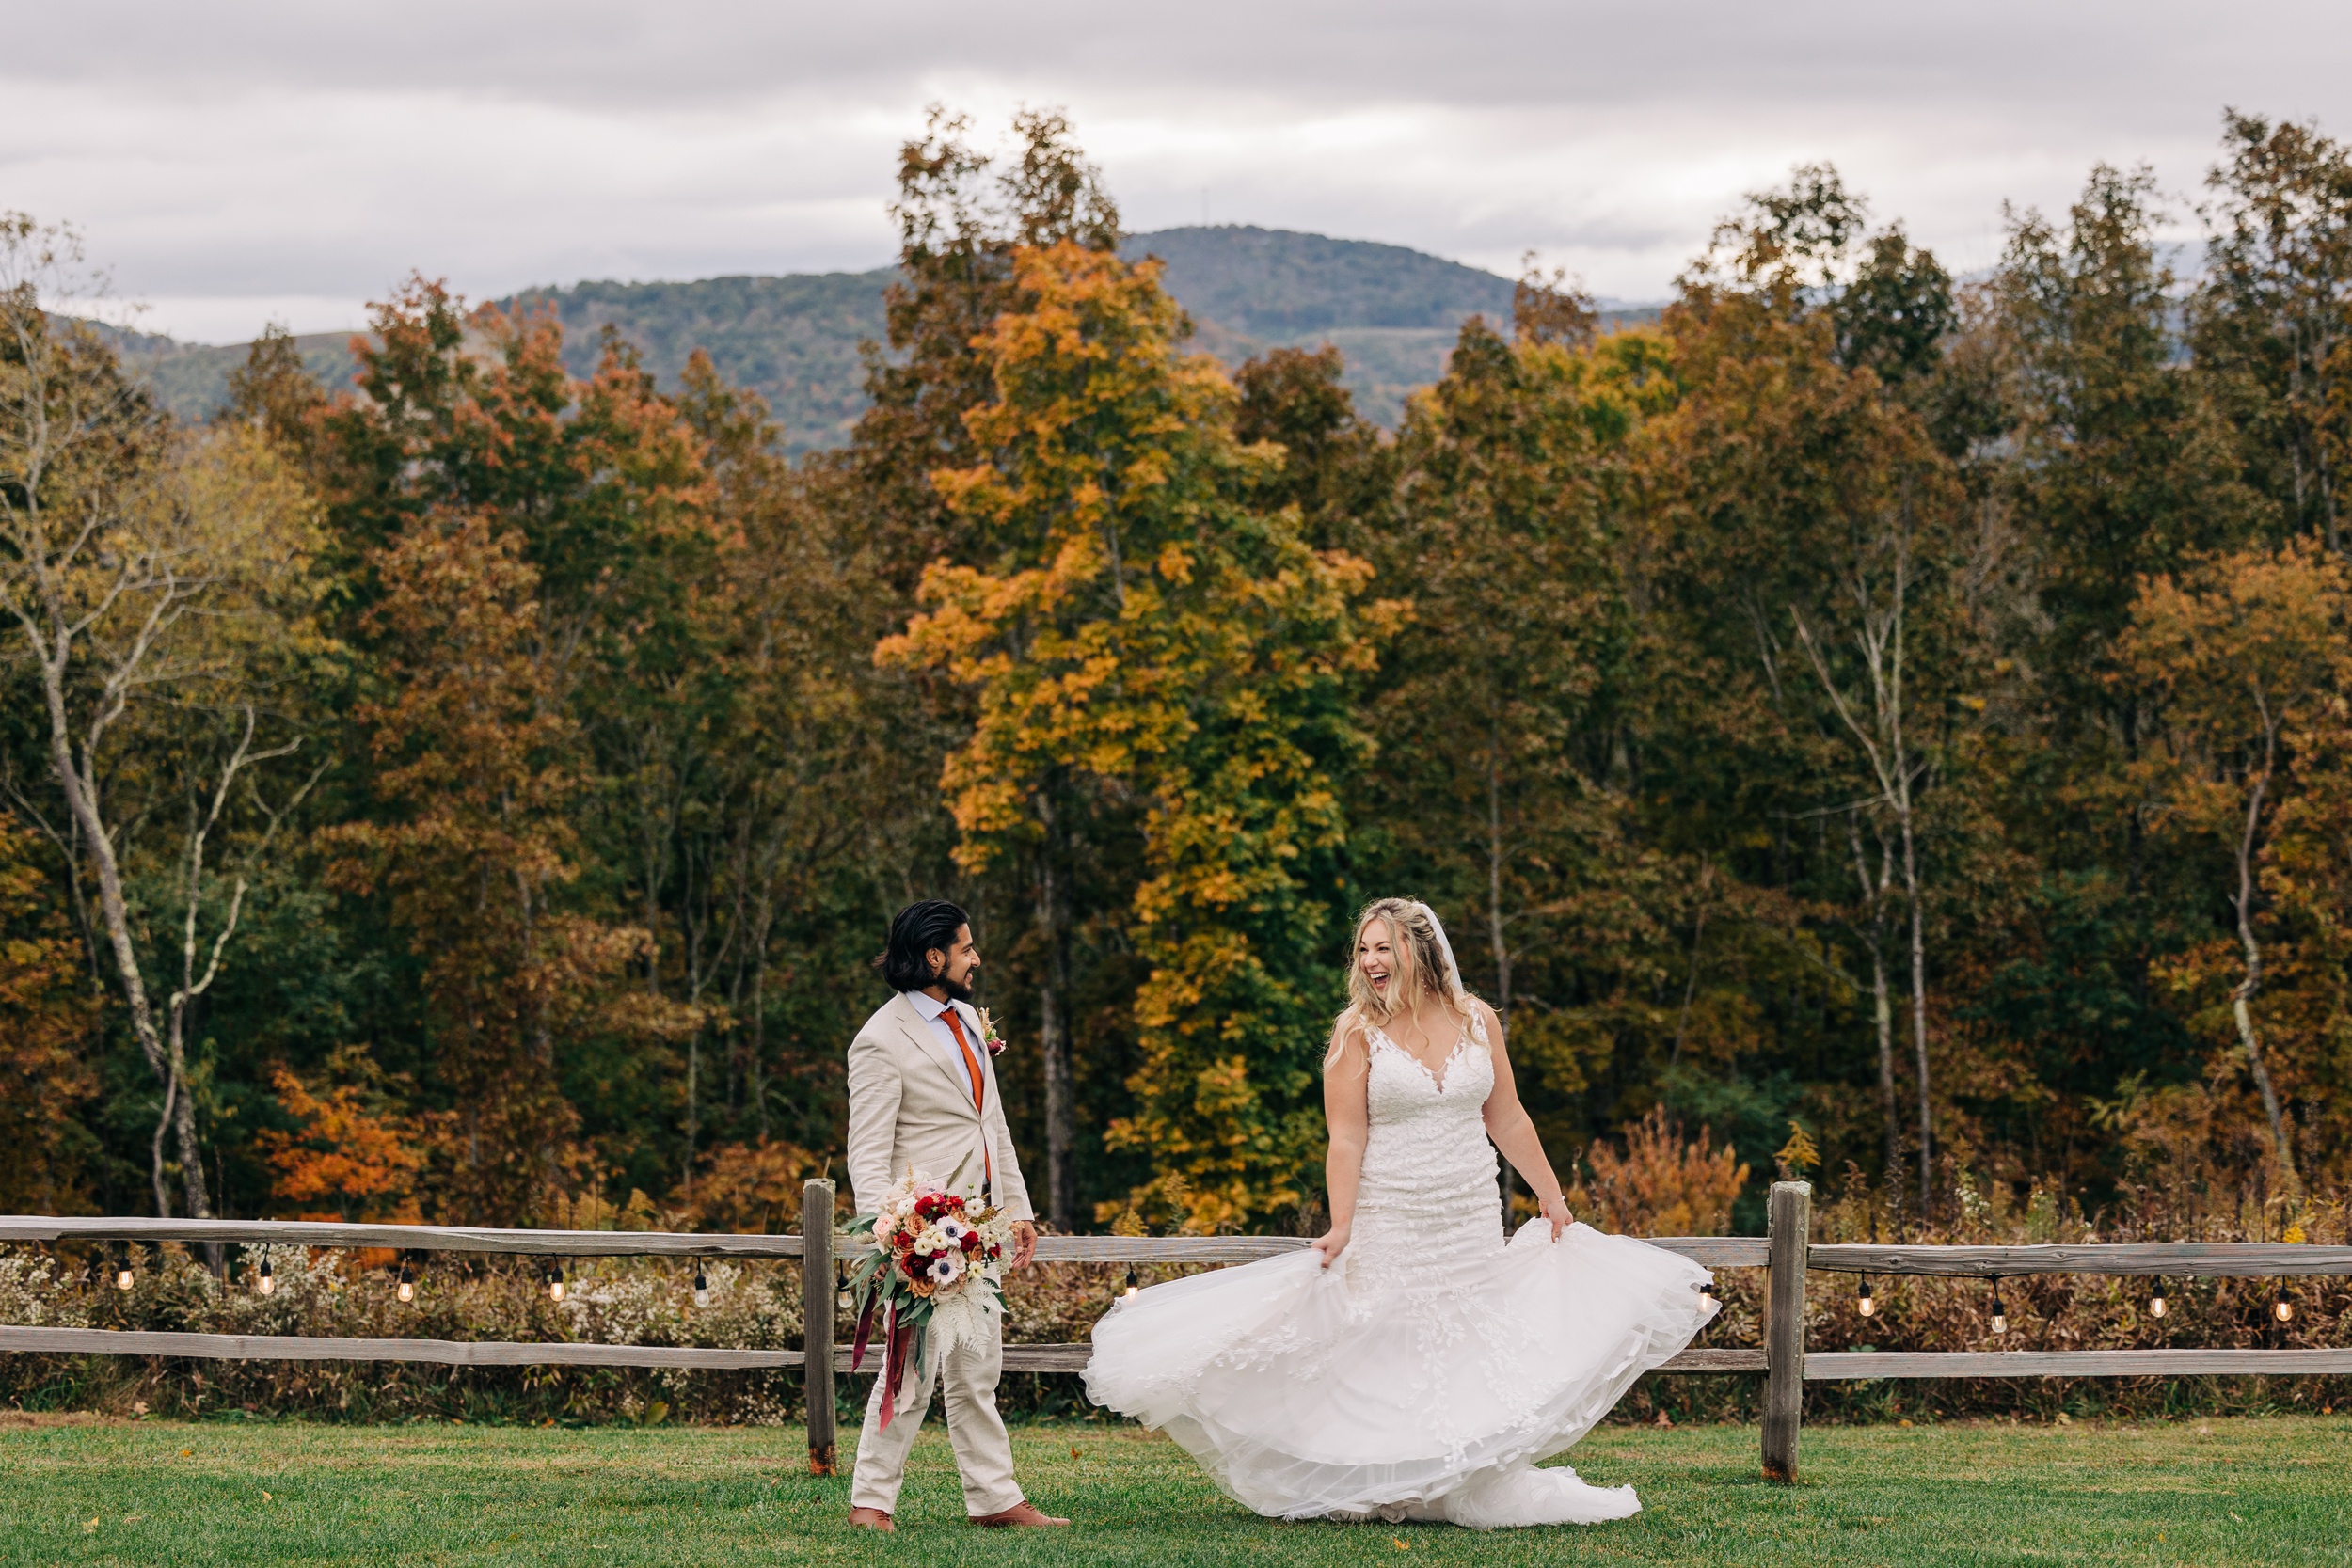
{"x": 897, "y": 1343}
{"x": 864, "y": 1332}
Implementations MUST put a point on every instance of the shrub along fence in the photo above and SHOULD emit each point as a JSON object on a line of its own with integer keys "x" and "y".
{"x": 1785, "y": 1253}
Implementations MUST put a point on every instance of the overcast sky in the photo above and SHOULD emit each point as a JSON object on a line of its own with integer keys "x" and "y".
{"x": 235, "y": 164}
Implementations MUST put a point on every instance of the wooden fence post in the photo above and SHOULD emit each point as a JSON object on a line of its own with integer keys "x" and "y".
{"x": 1791, "y": 1219}
{"x": 817, "y": 1306}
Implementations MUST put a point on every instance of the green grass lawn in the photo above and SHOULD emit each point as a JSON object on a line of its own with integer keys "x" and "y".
{"x": 2260, "y": 1490}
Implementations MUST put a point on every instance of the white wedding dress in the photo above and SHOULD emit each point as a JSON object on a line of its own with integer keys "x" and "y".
{"x": 1425, "y": 1373}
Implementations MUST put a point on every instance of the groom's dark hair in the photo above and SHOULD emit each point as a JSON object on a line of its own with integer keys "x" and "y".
{"x": 917, "y": 932}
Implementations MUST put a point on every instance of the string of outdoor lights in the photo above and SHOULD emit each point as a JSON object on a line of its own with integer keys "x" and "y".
{"x": 1866, "y": 1304}
{"x": 406, "y": 1281}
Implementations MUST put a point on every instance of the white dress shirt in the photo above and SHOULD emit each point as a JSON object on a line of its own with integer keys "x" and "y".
{"x": 935, "y": 1013}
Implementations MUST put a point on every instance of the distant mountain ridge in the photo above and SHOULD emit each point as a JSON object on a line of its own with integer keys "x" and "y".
{"x": 794, "y": 339}
{"x": 1392, "y": 312}
{"x": 1276, "y": 284}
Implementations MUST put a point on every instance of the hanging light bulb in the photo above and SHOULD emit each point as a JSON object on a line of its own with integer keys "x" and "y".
{"x": 264, "y": 1282}
{"x": 555, "y": 1282}
{"x": 1865, "y": 1305}
{"x": 840, "y": 1290}
{"x": 407, "y": 1283}
{"x": 701, "y": 1287}
{"x": 122, "y": 1275}
{"x": 2283, "y": 1310}
{"x": 2155, "y": 1303}
{"x": 1133, "y": 1285}
{"x": 2000, "y": 1313}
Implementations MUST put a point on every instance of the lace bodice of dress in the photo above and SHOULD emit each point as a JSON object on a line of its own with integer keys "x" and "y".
{"x": 1427, "y": 1201}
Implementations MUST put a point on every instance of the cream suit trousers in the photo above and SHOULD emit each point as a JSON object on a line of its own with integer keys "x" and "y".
{"x": 984, "y": 1451}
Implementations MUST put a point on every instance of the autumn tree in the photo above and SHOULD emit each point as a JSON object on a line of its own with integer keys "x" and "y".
{"x": 2272, "y": 326}
{"x": 785, "y": 780}
{"x": 152, "y": 577}
{"x": 476, "y": 857}
{"x": 1816, "y": 535}
{"x": 350, "y": 1154}
{"x": 1499, "y": 712}
{"x": 1336, "y": 467}
{"x": 1143, "y": 630}
{"x": 964, "y": 215}
{"x": 2128, "y": 469}
{"x": 537, "y": 547}
{"x": 2242, "y": 652}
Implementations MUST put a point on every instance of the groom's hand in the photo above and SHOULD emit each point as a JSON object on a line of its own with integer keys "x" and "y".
{"x": 1023, "y": 1244}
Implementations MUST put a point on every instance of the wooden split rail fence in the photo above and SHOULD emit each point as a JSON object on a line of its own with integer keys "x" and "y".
{"x": 1786, "y": 1252}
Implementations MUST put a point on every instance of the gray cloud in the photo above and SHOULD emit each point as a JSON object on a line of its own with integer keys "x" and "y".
{"x": 233, "y": 162}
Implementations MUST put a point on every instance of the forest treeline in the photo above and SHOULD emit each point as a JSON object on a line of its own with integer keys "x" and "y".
{"x": 1890, "y": 726}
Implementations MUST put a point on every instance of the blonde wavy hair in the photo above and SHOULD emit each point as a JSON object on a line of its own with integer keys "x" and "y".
{"x": 1417, "y": 944}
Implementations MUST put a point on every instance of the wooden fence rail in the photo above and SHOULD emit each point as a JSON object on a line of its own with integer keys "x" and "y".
{"x": 2170, "y": 1260}
{"x": 1718, "y": 1252}
{"x": 1786, "y": 1253}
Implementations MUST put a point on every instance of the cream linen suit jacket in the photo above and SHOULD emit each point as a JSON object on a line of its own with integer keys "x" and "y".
{"x": 910, "y": 1106}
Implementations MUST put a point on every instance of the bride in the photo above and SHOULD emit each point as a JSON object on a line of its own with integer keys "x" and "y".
{"x": 1412, "y": 1364}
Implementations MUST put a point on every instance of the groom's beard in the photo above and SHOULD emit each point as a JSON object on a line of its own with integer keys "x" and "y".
{"x": 957, "y": 990}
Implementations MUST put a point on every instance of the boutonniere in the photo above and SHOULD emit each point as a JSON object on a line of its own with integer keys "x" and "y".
{"x": 989, "y": 1037}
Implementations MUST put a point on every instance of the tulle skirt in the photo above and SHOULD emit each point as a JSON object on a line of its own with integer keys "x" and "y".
{"x": 1384, "y": 1388}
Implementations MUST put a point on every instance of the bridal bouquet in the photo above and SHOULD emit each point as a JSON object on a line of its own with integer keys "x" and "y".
{"x": 931, "y": 1268}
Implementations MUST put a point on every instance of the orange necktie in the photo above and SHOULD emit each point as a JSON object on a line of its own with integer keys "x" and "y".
{"x": 972, "y": 1066}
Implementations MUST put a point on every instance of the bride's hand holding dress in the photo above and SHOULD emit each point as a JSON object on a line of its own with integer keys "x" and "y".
{"x": 1345, "y": 1111}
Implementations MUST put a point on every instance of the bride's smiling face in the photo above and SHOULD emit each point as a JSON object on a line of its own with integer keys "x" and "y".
{"x": 1383, "y": 959}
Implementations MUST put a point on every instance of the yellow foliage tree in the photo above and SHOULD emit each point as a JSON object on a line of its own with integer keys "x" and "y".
{"x": 2244, "y": 652}
{"x": 1140, "y": 627}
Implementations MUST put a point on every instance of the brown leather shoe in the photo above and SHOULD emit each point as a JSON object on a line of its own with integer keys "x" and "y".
{"x": 1019, "y": 1516}
{"x": 872, "y": 1518}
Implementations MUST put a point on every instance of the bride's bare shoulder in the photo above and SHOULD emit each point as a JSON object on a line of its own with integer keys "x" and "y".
{"x": 1351, "y": 1041}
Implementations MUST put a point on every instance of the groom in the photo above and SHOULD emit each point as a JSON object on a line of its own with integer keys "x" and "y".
{"x": 923, "y": 1095}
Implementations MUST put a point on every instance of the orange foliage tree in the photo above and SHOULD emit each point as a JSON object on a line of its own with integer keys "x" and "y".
{"x": 476, "y": 857}
{"x": 1661, "y": 1185}
{"x": 344, "y": 1160}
